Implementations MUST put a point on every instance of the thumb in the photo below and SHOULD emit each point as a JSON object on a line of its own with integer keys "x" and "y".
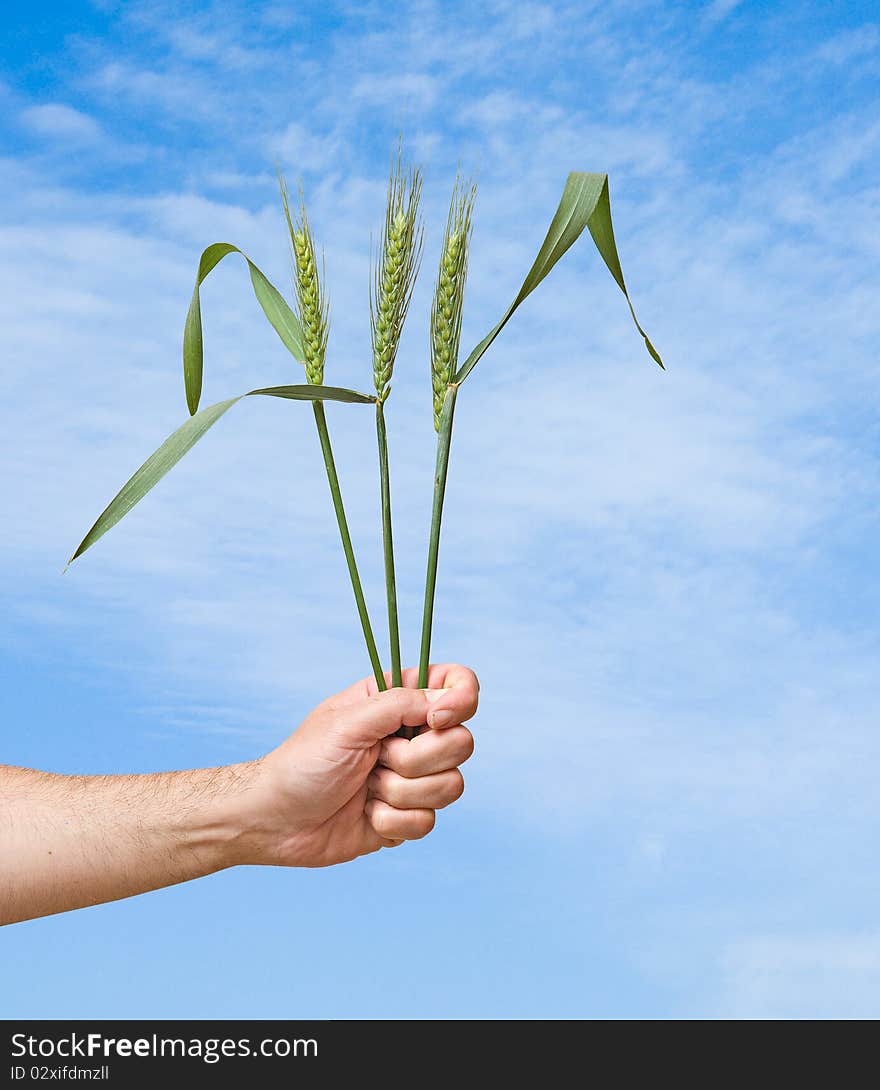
{"x": 376, "y": 717}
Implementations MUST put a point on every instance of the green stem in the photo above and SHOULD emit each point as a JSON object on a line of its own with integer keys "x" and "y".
{"x": 330, "y": 465}
{"x": 388, "y": 546}
{"x": 444, "y": 439}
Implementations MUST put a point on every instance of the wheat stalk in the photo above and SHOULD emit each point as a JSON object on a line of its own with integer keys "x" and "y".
{"x": 314, "y": 316}
{"x": 446, "y": 313}
{"x": 394, "y": 276}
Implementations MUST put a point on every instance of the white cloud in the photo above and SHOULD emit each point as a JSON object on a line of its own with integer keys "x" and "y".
{"x": 402, "y": 93}
{"x": 300, "y": 150}
{"x": 850, "y": 45}
{"x": 718, "y": 10}
{"x": 505, "y": 108}
{"x": 816, "y": 976}
{"x": 179, "y": 92}
{"x": 58, "y": 121}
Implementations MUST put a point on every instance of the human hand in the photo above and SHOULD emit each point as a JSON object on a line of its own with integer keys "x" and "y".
{"x": 343, "y": 785}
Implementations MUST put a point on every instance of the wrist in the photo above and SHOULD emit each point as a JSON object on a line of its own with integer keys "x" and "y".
{"x": 224, "y": 828}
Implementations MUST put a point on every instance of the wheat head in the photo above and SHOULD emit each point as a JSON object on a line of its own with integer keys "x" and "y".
{"x": 395, "y": 271}
{"x": 446, "y": 309}
{"x": 314, "y": 310}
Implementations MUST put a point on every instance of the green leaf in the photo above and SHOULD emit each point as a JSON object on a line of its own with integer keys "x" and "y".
{"x": 585, "y": 203}
{"x": 281, "y": 317}
{"x": 306, "y": 392}
{"x": 186, "y": 436}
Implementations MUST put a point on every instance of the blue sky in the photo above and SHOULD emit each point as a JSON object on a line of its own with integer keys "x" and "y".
{"x": 667, "y": 583}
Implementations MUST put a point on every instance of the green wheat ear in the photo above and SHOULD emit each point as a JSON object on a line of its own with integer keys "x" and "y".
{"x": 314, "y": 310}
{"x": 446, "y": 309}
{"x": 395, "y": 271}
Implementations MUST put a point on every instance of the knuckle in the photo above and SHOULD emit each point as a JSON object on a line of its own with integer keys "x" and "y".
{"x": 470, "y": 680}
{"x": 404, "y": 764}
{"x": 465, "y": 745}
{"x": 396, "y": 755}
{"x": 473, "y": 678}
{"x": 456, "y": 786}
{"x": 391, "y": 700}
{"x": 393, "y": 790}
{"x": 381, "y": 820}
{"x": 451, "y": 789}
{"x": 423, "y": 824}
{"x": 398, "y": 697}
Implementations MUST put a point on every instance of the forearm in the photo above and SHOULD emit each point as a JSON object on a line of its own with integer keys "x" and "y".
{"x": 71, "y": 841}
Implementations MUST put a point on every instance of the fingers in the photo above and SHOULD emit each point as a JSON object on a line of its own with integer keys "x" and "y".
{"x": 413, "y": 779}
{"x": 450, "y": 675}
{"x": 440, "y": 676}
{"x": 431, "y": 752}
{"x": 451, "y": 700}
{"x": 462, "y": 693}
{"x": 392, "y": 824}
{"x": 427, "y": 792}
{"x": 375, "y": 717}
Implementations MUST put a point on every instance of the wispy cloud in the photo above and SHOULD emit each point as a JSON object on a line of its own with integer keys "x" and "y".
{"x": 178, "y": 92}
{"x": 407, "y": 92}
{"x": 817, "y": 976}
{"x": 301, "y": 149}
{"x": 850, "y": 46}
{"x": 57, "y": 121}
{"x": 718, "y": 10}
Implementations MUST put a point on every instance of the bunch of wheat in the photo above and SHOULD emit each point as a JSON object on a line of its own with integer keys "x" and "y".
{"x": 585, "y": 204}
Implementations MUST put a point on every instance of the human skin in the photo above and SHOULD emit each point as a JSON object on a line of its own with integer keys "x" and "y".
{"x": 341, "y": 786}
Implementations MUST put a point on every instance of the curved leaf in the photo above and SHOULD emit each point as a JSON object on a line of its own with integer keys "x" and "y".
{"x": 186, "y": 436}
{"x": 309, "y": 392}
{"x": 281, "y": 317}
{"x": 585, "y": 202}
